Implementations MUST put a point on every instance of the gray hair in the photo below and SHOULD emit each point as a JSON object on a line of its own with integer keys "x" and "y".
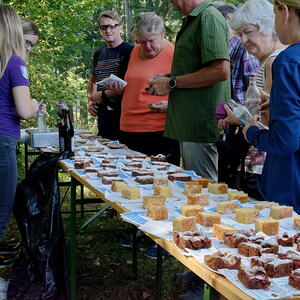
{"x": 149, "y": 22}
{"x": 109, "y": 14}
{"x": 256, "y": 12}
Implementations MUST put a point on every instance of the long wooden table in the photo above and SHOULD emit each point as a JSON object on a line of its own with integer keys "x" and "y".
{"x": 214, "y": 281}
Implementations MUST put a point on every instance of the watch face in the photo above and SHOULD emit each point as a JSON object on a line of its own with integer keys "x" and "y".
{"x": 172, "y": 83}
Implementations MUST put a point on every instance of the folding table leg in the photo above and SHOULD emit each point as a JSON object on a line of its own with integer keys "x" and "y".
{"x": 209, "y": 292}
{"x": 158, "y": 272}
{"x": 134, "y": 253}
{"x": 73, "y": 243}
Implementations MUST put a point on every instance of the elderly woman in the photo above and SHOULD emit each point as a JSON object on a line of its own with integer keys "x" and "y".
{"x": 280, "y": 180}
{"x": 254, "y": 23}
{"x": 142, "y": 115}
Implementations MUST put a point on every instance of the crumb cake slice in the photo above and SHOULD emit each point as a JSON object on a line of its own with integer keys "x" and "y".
{"x": 220, "y": 260}
{"x": 254, "y": 277}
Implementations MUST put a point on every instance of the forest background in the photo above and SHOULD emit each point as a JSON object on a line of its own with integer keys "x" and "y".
{"x": 59, "y": 66}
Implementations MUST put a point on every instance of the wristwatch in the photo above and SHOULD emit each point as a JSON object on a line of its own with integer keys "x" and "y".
{"x": 173, "y": 82}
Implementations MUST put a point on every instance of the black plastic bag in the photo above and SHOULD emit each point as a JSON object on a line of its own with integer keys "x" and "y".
{"x": 39, "y": 273}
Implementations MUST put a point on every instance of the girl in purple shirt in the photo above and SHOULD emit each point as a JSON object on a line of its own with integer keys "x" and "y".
{"x": 15, "y": 103}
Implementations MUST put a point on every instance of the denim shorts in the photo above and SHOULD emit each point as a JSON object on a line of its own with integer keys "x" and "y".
{"x": 8, "y": 179}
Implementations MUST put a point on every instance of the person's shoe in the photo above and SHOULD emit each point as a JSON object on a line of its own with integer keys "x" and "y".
{"x": 195, "y": 294}
{"x": 9, "y": 248}
{"x": 5, "y": 261}
{"x": 152, "y": 252}
{"x": 126, "y": 243}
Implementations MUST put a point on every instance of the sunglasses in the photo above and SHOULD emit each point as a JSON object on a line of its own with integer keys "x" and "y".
{"x": 110, "y": 26}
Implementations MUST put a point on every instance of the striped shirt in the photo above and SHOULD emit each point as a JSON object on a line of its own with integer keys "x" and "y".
{"x": 203, "y": 38}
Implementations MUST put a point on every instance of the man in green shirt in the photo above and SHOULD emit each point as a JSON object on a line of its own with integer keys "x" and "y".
{"x": 199, "y": 80}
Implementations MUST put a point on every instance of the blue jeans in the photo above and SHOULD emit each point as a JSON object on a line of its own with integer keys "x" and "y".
{"x": 8, "y": 179}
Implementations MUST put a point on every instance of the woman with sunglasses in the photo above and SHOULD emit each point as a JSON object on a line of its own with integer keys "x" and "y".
{"x": 15, "y": 104}
{"x": 280, "y": 180}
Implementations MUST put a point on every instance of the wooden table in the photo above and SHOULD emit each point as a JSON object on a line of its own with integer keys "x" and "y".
{"x": 214, "y": 281}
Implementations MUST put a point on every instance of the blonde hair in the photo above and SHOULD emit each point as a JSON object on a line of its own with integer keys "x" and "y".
{"x": 291, "y": 3}
{"x": 29, "y": 27}
{"x": 11, "y": 36}
{"x": 149, "y": 22}
{"x": 110, "y": 14}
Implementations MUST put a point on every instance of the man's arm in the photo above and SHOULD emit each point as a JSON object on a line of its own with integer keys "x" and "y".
{"x": 215, "y": 71}
{"x": 91, "y": 90}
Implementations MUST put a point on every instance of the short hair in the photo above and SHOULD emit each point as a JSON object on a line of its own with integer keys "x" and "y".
{"x": 29, "y": 27}
{"x": 109, "y": 14}
{"x": 226, "y": 9}
{"x": 255, "y": 12}
{"x": 11, "y": 36}
{"x": 149, "y": 22}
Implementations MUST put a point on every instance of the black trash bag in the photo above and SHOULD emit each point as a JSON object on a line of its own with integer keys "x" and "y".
{"x": 40, "y": 272}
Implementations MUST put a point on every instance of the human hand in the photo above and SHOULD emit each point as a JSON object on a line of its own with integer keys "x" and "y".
{"x": 265, "y": 99}
{"x": 252, "y": 122}
{"x": 230, "y": 119}
{"x": 159, "y": 86}
{"x": 159, "y": 107}
{"x": 92, "y": 109}
{"x": 35, "y": 105}
{"x": 113, "y": 88}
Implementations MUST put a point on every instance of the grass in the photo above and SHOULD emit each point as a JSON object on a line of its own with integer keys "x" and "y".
{"x": 104, "y": 267}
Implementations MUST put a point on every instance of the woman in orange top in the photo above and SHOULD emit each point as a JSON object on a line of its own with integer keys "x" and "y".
{"x": 143, "y": 115}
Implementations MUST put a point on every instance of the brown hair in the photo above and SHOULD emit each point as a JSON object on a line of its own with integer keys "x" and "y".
{"x": 29, "y": 27}
{"x": 109, "y": 14}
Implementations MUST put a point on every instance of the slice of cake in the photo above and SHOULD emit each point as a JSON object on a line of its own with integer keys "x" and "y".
{"x": 219, "y": 230}
{"x": 191, "y": 187}
{"x": 109, "y": 180}
{"x": 144, "y": 179}
{"x": 131, "y": 192}
{"x": 254, "y": 278}
{"x": 280, "y": 212}
{"x": 238, "y": 195}
{"x": 249, "y": 249}
{"x": 294, "y": 279}
{"x": 208, "y": 219}
{"x": 226, "y": 207}
{"x": 180, "y": 177}
{"x": 279, "y": 268}
{"x": 233, "y": 239}
{"x": 246, "y": 215}
{"x": 297, "y": 222}
{"x": 268, "y": 226}
{"x": 201, "y": 199}
{"x": 217, "y": 188}
{"x": 183, "y": 224}
{"x": 157, "y": 211}
{"x": 118, "y": 186}
{"x": 285, "y": 240}
{"x": 191, "y": 240}
{"x": 160, "y": 181}
{"x": 147, "y": 200}
{"x": 220, "y": 260}
{"x": 203, "y": 181}
{"x": 162, "y": 190}
{"x": 265, "y": 204}
{"x": 191, "y": 210}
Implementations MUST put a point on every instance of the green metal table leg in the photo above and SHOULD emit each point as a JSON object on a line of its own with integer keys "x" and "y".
{"x": 209, "y": 292}
{"x": 134, "y": 253}
{"x": 158, "y": 272}
{"x": 82, "y": 197}
{"x": 73, "y": 240}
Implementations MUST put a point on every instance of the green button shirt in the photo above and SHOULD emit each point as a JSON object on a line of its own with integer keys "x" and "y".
{"x": 202, "y": 38}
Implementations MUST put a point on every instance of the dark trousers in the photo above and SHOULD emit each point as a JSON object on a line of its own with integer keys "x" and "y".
{"x": 8, "y": 179}
{"x": 109, "y": 122}
{"x": 152, "y": 143}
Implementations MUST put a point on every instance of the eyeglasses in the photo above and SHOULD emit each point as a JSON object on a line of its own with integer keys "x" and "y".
{"x": 28, "y": 44}
{"x": 110, "y": 26}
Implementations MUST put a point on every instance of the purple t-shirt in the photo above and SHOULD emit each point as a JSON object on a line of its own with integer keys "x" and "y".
{"x": 14, "y": 75}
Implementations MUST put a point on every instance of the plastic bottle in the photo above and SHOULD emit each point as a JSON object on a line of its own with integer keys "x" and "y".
{"x": 253, "y": 99}
{"x": 41, "y": 119}
{"x": 66, "y": 131}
